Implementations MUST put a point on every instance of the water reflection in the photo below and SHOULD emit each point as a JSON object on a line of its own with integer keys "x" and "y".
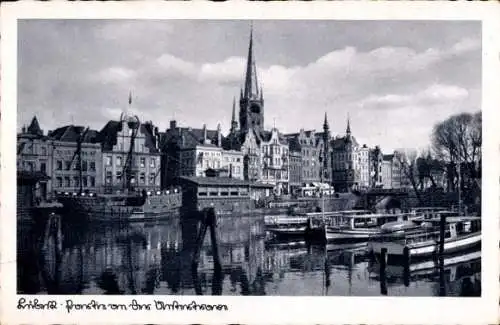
{"x": 156, "y": 258}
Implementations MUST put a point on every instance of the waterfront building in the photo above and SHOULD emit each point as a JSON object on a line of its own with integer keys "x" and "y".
{"x": 375, "y": 167}
{"x": 306, "y": 143}
{"x": 275, "y": 161}
{"x": 131, "y": 155}
{"x": 33, "y": 155}
{"x": 295, "y": 166}
{"x": 191, "y": 152}
{"x": 346, "y": 174}
{"x": 392, "y": 172}
{"x": 66, "y": 176}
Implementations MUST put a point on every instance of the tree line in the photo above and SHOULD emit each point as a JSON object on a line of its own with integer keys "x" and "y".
{"x": 452, "y": 163}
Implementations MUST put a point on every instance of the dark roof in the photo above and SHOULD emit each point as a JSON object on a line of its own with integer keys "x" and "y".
{"x": 388, "y": 157}
{"x": 34, "y": 127}
{"x": 214, "y": 180}
{"x": 71, "y": 133}
{"x": 108, "y": 136}
{"x": 188, "y": 137}
{"x": 294, "y": 144}
{"x": 341, "y": 142}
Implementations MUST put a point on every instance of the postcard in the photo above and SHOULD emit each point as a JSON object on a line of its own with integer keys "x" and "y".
{"x": 250, "y": 163}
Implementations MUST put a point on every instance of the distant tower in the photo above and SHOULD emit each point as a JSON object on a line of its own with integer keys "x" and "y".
{"x": 251, "y": 99}
{"x": 348, "y": 129}
{"x": 234, "y": 123}
{"x": 326, "y": 150}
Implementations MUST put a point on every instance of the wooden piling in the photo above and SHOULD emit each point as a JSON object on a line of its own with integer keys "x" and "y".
{"x": 406, "y": 267}
{"x": 212, "y": 221}
{"x": 383, "y": 280}
{"x": 442, "y": 284}
{"x": 442, "y": 224}
{"x": 208, "y": 220}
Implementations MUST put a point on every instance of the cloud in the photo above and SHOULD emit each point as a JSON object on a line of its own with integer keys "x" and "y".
{"x": 391, "y": 84}
{"x": 434, "y": 94}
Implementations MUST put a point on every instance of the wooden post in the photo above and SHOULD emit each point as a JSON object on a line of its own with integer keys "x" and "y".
{"x": 199, "y": 241}
{"x": 212, "y": 221}
{"x": 442, "y": 284}
{"x": 406, "y": 267}
{"x": 383, "y": 262}
{"x": 442, "y": 224}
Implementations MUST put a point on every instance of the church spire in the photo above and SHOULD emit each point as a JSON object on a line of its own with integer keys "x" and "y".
{"x": 234, "y": 123}
{"x": 251, "y": 84}
{"x": 326, "y": 127}
{"x": 348, "y": 129}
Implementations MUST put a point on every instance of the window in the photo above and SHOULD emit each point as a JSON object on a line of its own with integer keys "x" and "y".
{"x": 92, "y": 166}
{"x": 76, "y": 181}
{"x": 59, "y": 165}
{"x": 92, "y": 181}
{"x": 120, "y": 146}
{"x": 84, "y": 182}
{"x": 59, "y": 182}
{"x": 153, "y": 163}
{"x": 142, "y": 178}
{"x": 109, "y": 159}
{"x": 118, "y": 161}
{"x": 84, "y": 165}
{"x": 143, "y": 162}
{"x": 43, "y": 167}
{"x": 67, "y": 182}
{"x": 67, "y": 165}
{"x": 152, "y": 177}
{"x": 109, "y": 176}
{"x": 142, "y": 148}
{"x": 119, "y": 176}
{"x": 44, "y": 151}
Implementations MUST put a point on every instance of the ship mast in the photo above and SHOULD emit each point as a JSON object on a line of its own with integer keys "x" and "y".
{"x": 78, "y": 154}
{"x": 133, "y": 124}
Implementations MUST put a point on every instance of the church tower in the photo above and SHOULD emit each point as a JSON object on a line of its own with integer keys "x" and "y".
{"x": 326, "y": 151}
{"x": 251, "y": 98}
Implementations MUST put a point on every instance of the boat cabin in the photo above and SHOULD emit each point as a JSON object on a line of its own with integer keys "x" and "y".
{"x": 354, "y": 221}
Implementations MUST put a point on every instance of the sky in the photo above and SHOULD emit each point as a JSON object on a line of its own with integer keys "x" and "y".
{"x": 394, "y": 79}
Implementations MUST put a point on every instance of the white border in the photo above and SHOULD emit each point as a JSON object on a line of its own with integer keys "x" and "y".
{"x": 266, "y": 310}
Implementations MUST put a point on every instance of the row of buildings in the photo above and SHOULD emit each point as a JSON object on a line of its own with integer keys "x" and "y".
{"x": 126, "y": 153}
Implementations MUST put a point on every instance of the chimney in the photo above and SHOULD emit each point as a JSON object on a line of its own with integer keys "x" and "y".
{"x": 173, "y": 124}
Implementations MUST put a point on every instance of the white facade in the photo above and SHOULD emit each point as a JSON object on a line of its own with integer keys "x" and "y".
{"x": 275, "y": 162}
{"x": 195, "y": 161}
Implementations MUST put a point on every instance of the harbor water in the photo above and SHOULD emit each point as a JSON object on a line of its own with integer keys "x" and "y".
{"x": 155, "y": 258}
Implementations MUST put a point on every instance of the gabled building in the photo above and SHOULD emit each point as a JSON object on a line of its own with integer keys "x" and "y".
{"x": 130, "y": 155}
{"x": 191, "y": 152}
{"x": 66, "y": 163}
{"x": 351, "y": 163}
{"x": 34, "y": 152}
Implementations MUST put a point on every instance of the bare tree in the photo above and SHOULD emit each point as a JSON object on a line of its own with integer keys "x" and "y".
{"x": 457, "y": 141}
{"x": 407, "y": 159}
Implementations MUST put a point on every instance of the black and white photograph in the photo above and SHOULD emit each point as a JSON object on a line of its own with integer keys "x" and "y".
{"x": 217, "y": 157}
{"x": 249, "y": 157}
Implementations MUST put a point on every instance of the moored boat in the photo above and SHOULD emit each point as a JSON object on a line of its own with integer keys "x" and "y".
{"x": 461, "y": 233}
{"x": 363, "y": 227}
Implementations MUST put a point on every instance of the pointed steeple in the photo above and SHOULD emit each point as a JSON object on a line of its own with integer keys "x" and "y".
{"x": 34, "y": 127}
{"x": 234, "y": 123}
{"x": 326, "y": 127}
{"x": 348, "y": 129}
{"x": 251, "y": 84}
